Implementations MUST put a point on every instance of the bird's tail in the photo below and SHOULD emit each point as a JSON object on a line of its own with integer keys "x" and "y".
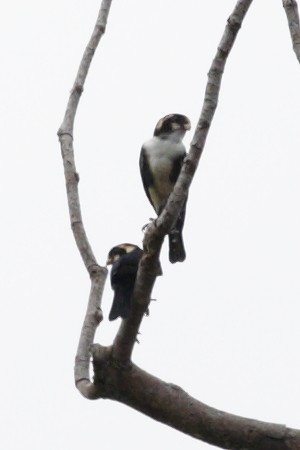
{"x": 176, "y": 247}
{"x": 121, "y": 306}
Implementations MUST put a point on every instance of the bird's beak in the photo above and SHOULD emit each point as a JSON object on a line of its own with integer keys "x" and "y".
{"x": 109, "y": 262}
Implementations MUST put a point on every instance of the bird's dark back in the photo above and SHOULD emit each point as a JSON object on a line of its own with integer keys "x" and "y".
{"x": 125, "y": 269}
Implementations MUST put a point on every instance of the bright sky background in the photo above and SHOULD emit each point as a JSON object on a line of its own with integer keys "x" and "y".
{"x": 225, "y": 325}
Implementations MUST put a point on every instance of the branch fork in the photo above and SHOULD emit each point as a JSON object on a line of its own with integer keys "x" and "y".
{"x": 115, "y": 375}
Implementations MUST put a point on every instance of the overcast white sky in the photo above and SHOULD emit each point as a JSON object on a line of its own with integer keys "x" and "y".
{"x": 226, "y": 322}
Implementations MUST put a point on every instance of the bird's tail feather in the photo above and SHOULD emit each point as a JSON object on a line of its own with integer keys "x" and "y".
{"x": 176, "y": 247}
{"x": 121, "y": 307}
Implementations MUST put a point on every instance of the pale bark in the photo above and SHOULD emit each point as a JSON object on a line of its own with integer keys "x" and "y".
{"x": 97, "y": 273}
{"x": 116, "y": 377}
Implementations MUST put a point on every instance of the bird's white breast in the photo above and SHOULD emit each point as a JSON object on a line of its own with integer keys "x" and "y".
{"x": 160, "y": 154}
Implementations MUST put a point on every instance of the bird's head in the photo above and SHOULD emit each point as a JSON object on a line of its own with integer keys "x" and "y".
{"x": 172, "y": 124}
{"x": 119, "y": 250}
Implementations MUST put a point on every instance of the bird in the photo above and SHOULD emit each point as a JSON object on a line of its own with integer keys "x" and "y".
{"x": 124, "y": 259}
{"x": 161, "y": 159}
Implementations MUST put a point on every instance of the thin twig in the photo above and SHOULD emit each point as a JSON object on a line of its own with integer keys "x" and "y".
{"x": 291, "y": 9}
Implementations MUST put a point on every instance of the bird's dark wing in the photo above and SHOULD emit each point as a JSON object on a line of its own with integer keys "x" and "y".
{"x": 123, "y": 272}
{"x": 176, "y": 167}
{"x": 146, "y": 174}
{"x": 123, "y": 276}
{"x": 125, "y": 269}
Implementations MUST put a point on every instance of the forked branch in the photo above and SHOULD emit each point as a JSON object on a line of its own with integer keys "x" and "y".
{"x": 116, "y": 377}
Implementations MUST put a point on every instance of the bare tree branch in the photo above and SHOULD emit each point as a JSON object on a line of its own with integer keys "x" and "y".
{"x": 291, "y": 9}
{"x": 65, "y": 134}
{"x": 91, "y": 321}
{"x": 156, "y": 232}
{"x": 116, "y": 377}
{"x": 129, "y": 328}
{"x": 172, "y": 406}
{"x": 97, "y": 273}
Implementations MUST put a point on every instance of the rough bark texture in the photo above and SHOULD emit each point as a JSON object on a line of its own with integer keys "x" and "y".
{"x": 116, "y": 377}
{"x": 172, "y": 406}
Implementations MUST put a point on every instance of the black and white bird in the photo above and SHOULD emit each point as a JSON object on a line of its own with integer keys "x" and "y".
{"x": 125, "y": 260}
{"x": 161, "y": 159}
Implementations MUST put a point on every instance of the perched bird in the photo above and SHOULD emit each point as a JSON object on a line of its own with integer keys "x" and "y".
{"x": 161, "y": 159}
{"x": 125, "y": 260}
